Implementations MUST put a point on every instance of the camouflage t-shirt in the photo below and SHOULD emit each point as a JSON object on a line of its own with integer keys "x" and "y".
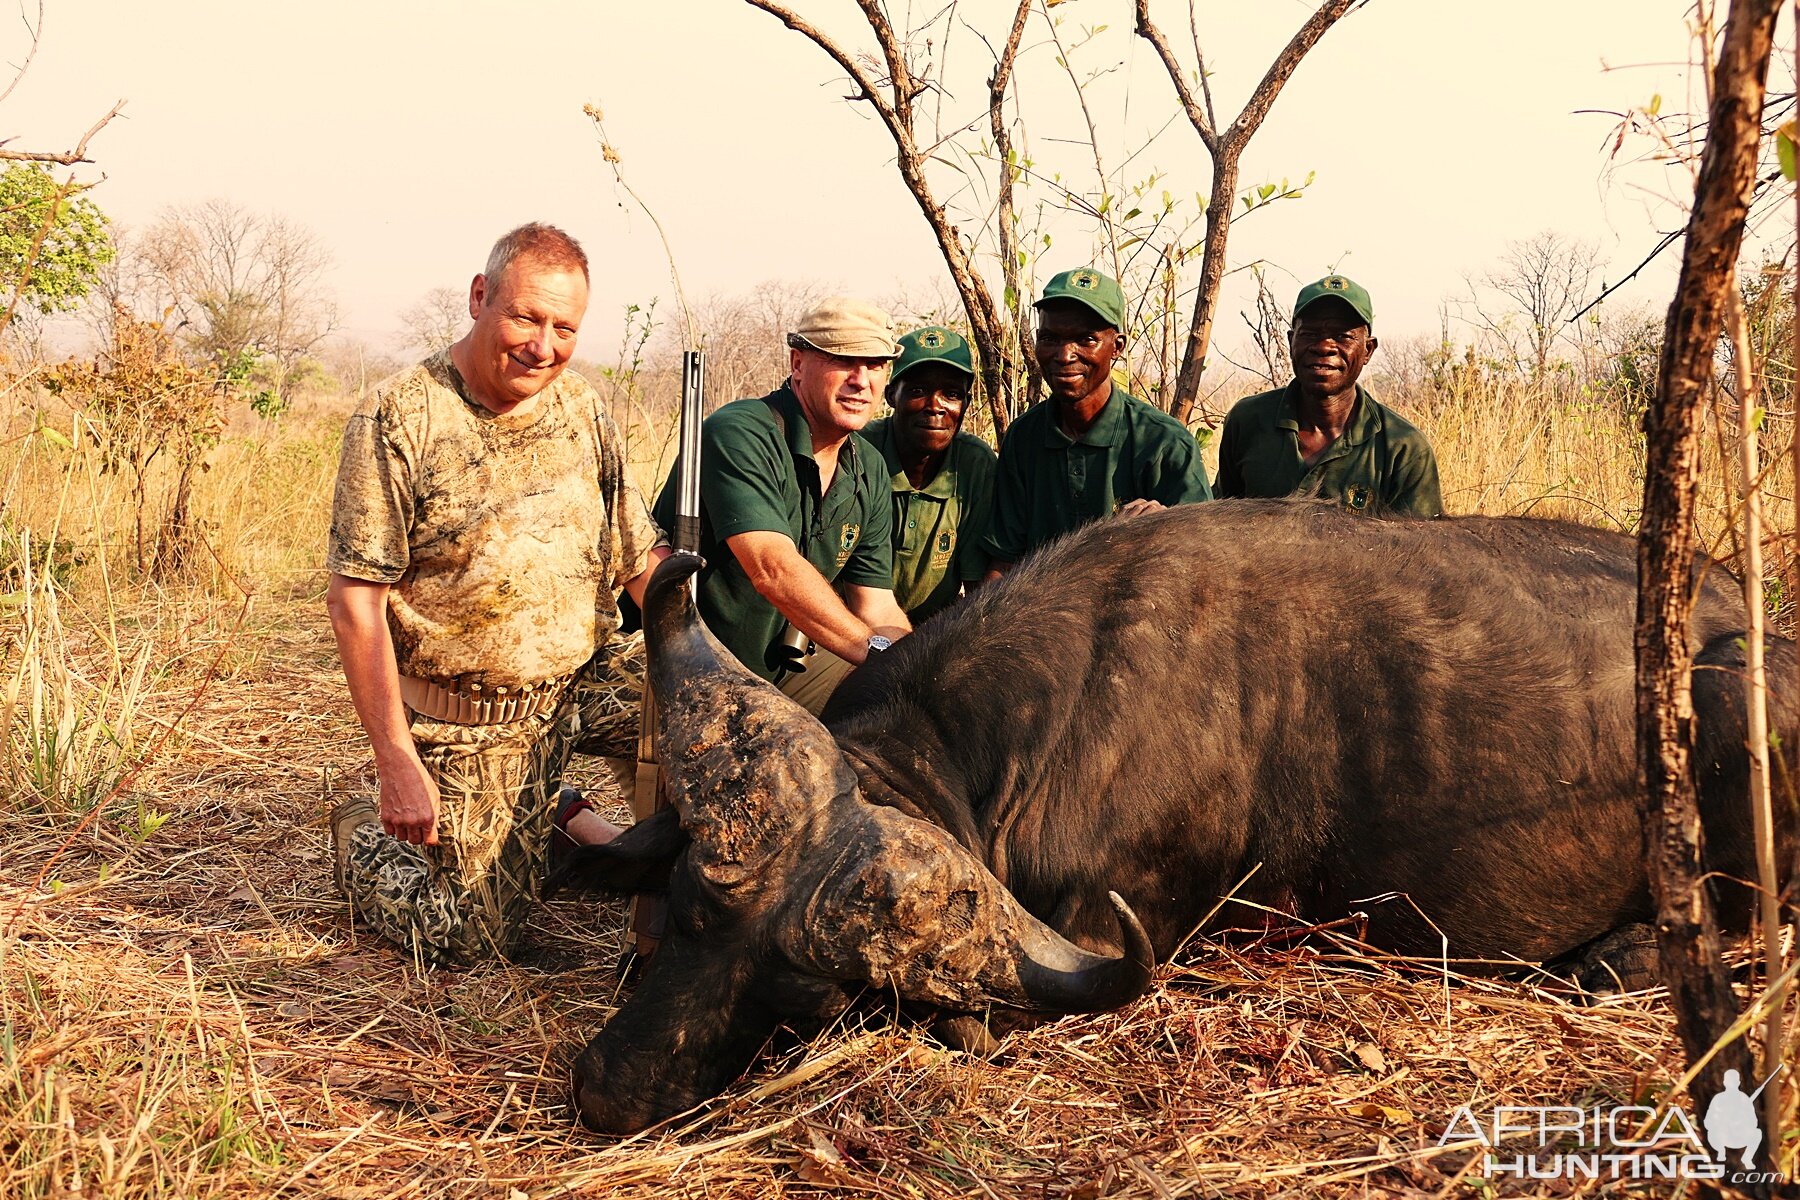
{"x": 505, "y": 537}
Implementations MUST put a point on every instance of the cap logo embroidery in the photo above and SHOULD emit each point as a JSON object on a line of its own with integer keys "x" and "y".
{"x": 1335, "y": 283}
{"x": 931, "y": 339}
{"x": 1086, "y": 280}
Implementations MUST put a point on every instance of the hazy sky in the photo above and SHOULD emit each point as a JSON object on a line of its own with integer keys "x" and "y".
{"x": 408, "y": 135}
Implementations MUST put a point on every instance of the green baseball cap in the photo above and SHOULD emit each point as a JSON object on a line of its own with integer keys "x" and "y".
{"x": 1336, "y": 287}
{"x": 1088, "y": 287}
{"x": 934, "y": 344}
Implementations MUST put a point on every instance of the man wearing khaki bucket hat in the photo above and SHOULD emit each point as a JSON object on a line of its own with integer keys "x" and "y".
{"x": 796, "y": 521}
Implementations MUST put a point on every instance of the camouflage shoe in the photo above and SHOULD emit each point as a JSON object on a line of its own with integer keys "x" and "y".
{"x": 350, "y": 815}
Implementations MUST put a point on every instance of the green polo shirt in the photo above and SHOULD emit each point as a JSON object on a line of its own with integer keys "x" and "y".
{"x": 757, "y": 475}
{"x": 1380, "y": 461}
{"x": 1048, "y": 484}
{"x": 938, "y": 528}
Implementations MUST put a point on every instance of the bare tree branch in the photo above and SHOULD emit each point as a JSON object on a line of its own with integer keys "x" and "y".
{"x": 985, "y": 320}
{"x": 1282, "y": 69}
{"x": 1225, "y": 148}
{"x": 1200, "y": 118}
{"x": 37, "y": 35}
{"x": 867, "y": 87}
{"x": 68, "y": 158}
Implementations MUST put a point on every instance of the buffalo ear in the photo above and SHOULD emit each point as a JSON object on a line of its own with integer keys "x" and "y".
{"x": 638, "y": 860}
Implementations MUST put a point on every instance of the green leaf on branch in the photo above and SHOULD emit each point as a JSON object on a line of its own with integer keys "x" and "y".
{"x": 1785, "y": 137}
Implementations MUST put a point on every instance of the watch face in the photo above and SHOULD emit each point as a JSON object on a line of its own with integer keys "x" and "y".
{"x": 878, "y": 642}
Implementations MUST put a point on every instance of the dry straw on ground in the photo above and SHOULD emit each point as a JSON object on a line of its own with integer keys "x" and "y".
{"x": 187, "y": 1010}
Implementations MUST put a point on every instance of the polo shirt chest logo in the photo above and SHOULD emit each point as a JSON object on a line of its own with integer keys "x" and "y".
{"x": 1357, "y": 496}
{"x": 942, "y": 549}
{"x": 847, "y": 536}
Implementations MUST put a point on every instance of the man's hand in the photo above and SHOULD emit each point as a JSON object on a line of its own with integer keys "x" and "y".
{"x": 634, "y": 587}
{"x": 409, "y": 801}
{"x": 1134, "y": 508}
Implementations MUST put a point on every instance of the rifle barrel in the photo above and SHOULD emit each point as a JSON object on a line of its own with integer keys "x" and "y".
{"x": 687, "y": 494}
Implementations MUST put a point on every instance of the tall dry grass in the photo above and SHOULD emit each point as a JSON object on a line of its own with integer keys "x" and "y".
{"x": 185, "y": 1011}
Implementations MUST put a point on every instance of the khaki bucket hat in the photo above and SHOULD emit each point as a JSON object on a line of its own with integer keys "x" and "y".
{"x": 847, "y": 326}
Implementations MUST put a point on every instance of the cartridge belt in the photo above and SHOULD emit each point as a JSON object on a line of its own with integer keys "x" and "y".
{"x": 478, "y": 704}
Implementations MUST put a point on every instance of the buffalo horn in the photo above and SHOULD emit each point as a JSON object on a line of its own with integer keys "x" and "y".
{"x": 903, "y": 906}
{"x": 744, "y": 763}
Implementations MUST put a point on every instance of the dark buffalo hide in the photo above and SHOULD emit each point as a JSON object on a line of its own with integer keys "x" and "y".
{"x": 1427, "y": 721}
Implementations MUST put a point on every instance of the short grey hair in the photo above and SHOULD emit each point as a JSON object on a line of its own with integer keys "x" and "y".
{"x": 543, "y": 244}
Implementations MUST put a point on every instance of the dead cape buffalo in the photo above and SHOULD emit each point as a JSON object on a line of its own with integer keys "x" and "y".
{"x": 1153, "y": 707}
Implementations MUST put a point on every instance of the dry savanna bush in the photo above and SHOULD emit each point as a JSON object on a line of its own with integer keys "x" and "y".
{"x": 187, "y": 1010}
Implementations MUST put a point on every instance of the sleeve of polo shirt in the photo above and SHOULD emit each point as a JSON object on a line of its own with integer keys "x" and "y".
{"x": 1177, "y": 473}
{"x": 743, "y": 466}
{"x": 1230, "y": 482}
{"x": 871, "y": 563}
{"x": 1416, "y": 491}
{"x": 977, "y": 520}
{"x": 372, "y": 506}
{"x": 1007, "y": 522}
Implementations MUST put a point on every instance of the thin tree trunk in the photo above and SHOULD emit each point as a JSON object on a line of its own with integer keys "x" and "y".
{"x": 1687, "y": 934}
{"x": 1756, "y": 698}
{"x": 1212, "y": 275}
{"x": 1225, "y": 146}
{"x": 997, "y": 364}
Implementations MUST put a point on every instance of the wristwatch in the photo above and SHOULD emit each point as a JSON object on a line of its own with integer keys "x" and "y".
{"x": 879, "y": 642}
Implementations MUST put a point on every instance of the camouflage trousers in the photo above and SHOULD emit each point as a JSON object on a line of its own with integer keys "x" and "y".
{"x": 466, "y": 898}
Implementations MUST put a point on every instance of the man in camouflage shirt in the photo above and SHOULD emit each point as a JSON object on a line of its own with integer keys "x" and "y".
{"x": 1323, "y": 434}
{"x": 483, "y": 522}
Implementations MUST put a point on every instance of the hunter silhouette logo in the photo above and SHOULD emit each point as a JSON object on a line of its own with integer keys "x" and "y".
{"x": 1085, "y": 280}
{"x": 931, "y": 339}
{"x": 1731, "y": 1122}
{"x": 847, "y": 542}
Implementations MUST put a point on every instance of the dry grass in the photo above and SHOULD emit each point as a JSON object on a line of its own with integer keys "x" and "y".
{"x": 186, "y": 1009}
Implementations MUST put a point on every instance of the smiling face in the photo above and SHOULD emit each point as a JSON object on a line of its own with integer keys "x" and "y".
{"x": 524, "y": 332}
{"x": 1330, "y": 345}
{"x": 928, "y": 408}
{"x": 837, "y": 394}
{"x": 1075, "y": 350}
